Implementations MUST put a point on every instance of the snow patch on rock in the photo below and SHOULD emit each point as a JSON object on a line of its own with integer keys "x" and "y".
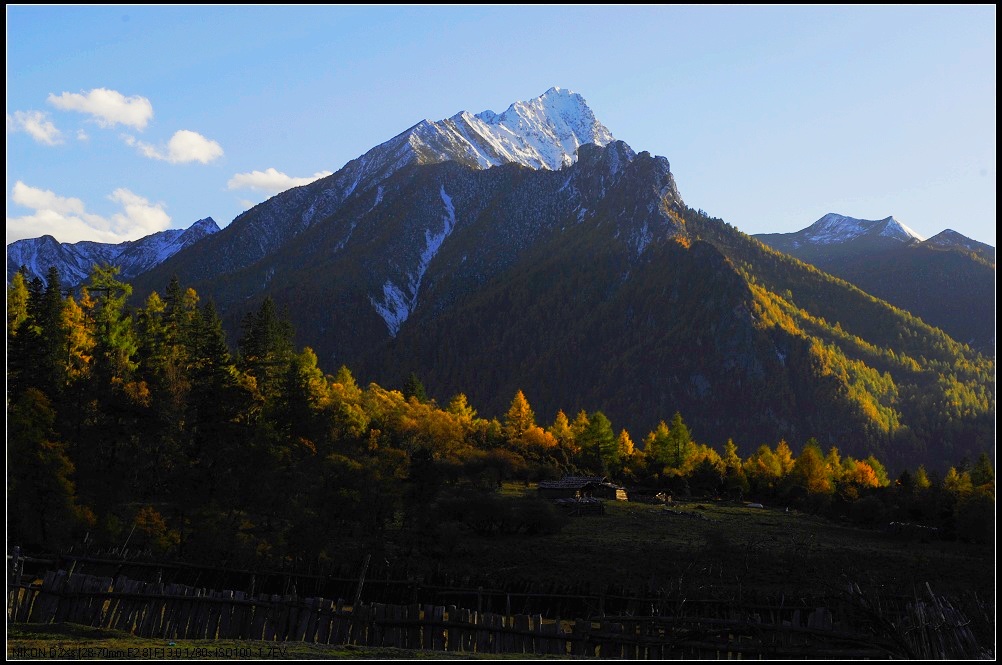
{"x": 399, "y": 303}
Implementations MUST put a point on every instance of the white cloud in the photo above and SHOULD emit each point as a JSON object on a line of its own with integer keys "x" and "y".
{"x": 139, "y": 216}
{"x": 271, "y": 181}
{"x": 185, "y": 146}
{"x": 36, "y": 124}
{"x": 67, "y": 220}
{"x": 82, "y": 135}
{"x": 188, "y": 146}
{"x": 145, "y": 149}
{"x": 108, "y": 107}
{"x": 38, "y": 199}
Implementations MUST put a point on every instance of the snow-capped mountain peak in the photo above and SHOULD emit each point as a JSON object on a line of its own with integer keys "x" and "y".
{"x": 543, "y": 133}
{"x": 895, "y": 229}
{"x": 950, "y": 239}
{"x": 835, "y": 229}
{"x": 540, "y": 133}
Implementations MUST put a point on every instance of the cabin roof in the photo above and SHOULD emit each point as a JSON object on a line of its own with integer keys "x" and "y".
{"x": 571, "y": 482}
{"x": 575, "y": 483}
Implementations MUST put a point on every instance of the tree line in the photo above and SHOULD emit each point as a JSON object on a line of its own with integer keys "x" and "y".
{"x": 141, "y": 427}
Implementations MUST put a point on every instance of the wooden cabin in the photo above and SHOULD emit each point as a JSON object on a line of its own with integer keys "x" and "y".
{"x": 577, "y": 487}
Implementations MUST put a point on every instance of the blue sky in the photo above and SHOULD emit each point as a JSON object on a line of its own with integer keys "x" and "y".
{"x": 125, "y": 120}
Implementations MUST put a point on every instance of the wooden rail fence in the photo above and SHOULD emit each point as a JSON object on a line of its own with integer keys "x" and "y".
{"x": 176, "y": 611}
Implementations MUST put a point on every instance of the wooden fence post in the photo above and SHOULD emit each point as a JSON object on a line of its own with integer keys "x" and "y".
{"x": 468, "y": 640}
{"x": 361, "y": 581}
{"x": 438, "y": 630}
{"x": 582, "y": 637}
{"x": 414, "y": 626}
{"x": 481, "y": 633}
{"x": 339, "y": 631}
{"x": 453, "y": 630}
{"x": 239, "y": 618}
{"x": 325, "y": 618}
{"x": 523, "y": 641}
{"x": 226, "y": 615}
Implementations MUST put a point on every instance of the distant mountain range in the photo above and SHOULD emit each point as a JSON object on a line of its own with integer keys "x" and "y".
{"x": 948, "y": 280}
{"x": 531, "y": 250}
{"x": 74, "y": 260}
